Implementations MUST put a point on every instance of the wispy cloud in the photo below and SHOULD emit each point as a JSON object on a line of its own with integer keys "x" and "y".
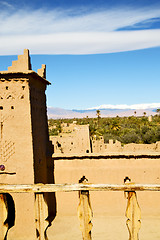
{"x": 125, "y": 106}
{"x": 80, "y": 43}
{"x": 76, "y": 32}
{"x": 6, "y": 4}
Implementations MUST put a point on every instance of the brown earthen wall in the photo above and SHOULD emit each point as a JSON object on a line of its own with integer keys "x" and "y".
{"x": 74, "y": 139}
{"x": 112, "y": 171}
{"x": 25, "y": 149}
{"x": 16, "y": 148}
{"x": 98, "y": 146}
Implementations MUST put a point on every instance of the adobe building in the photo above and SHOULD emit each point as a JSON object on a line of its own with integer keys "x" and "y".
{"x": 74, "y": 139}
{"x": 99, "y": 146}
{"x": 25, "y": 148}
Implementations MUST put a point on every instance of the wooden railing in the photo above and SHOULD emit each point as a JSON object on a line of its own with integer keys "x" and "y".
{"x": 133, "y": 212}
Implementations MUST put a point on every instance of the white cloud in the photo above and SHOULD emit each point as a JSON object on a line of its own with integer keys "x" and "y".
{"x": 64, "y": 32}
{"x": 125, "y": 106}
{"x": 80, "y": 43}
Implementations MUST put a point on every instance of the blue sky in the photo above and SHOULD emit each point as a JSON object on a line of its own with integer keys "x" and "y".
{"x": 97, "y": 52}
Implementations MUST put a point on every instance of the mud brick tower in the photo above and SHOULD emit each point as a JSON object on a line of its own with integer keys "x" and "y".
{"x": 25, "y": 149}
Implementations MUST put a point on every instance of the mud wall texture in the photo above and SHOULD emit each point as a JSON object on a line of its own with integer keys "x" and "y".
{"x": 111, "y": 171}
{"x": 73, "y": 139}
{"x": 98, "y": 146}
{"x": 25, "y": 150}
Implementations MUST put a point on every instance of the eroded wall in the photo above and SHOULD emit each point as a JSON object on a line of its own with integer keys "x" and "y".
{"x": 98, "y": 146}
{"x": 73, "y": 139}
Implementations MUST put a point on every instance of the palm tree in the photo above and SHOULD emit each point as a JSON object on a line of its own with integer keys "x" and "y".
{"x": 98, "y": 116}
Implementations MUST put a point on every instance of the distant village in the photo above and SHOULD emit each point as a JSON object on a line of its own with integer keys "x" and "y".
{"x": 76, "y": 139}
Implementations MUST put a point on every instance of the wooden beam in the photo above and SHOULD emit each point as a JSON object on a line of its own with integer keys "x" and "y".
{"x": 85, "y": 212}
{"x": 40, "y": 213}
{"x": 39, "y": 188}
{"x": 133, "y": 214}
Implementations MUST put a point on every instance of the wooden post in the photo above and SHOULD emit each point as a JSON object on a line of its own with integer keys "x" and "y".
{"x": 85, "y": 212}
{"x": 3, "y": 216}
{"x": 41, "y": 223}
{"x": 133, "y": 213}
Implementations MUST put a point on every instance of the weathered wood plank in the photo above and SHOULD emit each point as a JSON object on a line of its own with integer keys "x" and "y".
{"x": 133, "y": 214}
{"x": 41, "y": 223}
{"x": 85, "y": 212}
{"x": 38, "y": 188}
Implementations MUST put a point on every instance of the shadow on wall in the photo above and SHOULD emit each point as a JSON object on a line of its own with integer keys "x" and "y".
{"x": 50, "y": 198}
{"x": 7, "y": 214}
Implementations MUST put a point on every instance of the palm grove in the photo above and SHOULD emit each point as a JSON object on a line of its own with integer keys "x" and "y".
{"x": 124, "y": 129}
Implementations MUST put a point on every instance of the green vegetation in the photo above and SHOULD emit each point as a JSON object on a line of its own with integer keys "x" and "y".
{"x": 124, "y": 129}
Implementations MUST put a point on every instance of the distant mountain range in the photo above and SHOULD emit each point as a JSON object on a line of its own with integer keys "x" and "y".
{"x": 57, "y": 113}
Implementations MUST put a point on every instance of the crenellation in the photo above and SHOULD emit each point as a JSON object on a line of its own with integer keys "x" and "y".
{"x": 22, "y": 64}
{"x": 42, "y": 72}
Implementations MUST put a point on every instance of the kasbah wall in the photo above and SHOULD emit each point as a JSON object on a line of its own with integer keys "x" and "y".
{"x": 104, "y": 163}
{"x": 26, "y": 153}
{"x": 25, "y": 149}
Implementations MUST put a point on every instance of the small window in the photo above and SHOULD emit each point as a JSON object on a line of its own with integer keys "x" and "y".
{"x": 23, "y": 87}
{"x": 9, "y": 97}
{"x": 12, "y": 107}
{"x": 6, "y": 87}
{"x": 1, "y": 108}
{"x": 22, "y": 97}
